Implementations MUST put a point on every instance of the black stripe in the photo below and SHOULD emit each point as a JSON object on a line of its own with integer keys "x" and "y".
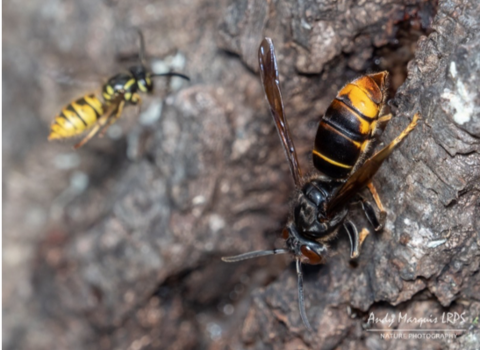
{"x": 336, "y": 146}
{"x": 65, "y": 117}
{"x": 349, "y": 103}
{"x": 96, "y": 112}
{"x": 344, "y": 131}
{"x": 70, "y": 108}
{"x": 340, "y": 117}
{"x": 329, "y": 169}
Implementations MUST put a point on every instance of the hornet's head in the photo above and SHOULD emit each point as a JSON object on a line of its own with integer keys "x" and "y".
{"x": 310, "y": 211}
{"x": 304, "y": 250}
{"x": 308, "y": 251}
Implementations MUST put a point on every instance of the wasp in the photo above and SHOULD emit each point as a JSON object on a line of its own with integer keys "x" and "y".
{"x": 343, "y": 144}
{"x": 97, "y": 113}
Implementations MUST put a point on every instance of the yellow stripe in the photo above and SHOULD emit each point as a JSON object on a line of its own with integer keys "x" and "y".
{"x": 61, "y": 130}
{"x": 360, "y": 100}
{"x": 364, "y": 125}
{"x": 110, "y": 90}
{"x": 93, "y": 101}
{"x": 142, "y": 86}
{"x": 66, "y": 123}
{"x": 338, "y": 132}
{"x": 56, "y": 133}
{"x": 128, "y": 84}
{"x": 361, "y": 87}
{"x": 331, "y": 161}
{"x": 87, "y": 113}
{"x": 73, "y": 118}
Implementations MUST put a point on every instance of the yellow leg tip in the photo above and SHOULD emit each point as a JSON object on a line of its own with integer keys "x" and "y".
{"x": 363, "y": 234}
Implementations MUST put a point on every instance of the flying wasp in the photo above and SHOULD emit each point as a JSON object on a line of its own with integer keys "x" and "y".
{"x": 94, "y": 113}
{"x": 343, "y": 144}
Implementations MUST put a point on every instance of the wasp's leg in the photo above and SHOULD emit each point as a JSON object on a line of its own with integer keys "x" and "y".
{"x": 88, "y": 137}
{"x": 94, "y": 131}
{"x": 136, "y": 99}
{"x": 113, "y": 119}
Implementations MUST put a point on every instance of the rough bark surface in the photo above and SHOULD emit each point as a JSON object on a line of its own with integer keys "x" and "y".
{"x": 118, "y": 245}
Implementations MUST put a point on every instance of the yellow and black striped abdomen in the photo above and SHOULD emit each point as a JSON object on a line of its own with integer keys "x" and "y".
{"x": 346, "y": 128}
{"x": 76, "y": 117}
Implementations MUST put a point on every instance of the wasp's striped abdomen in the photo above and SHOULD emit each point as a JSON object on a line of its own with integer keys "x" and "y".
{"x": 76, "y": 117}
{"x": 346, "y": 128}
{"x": 99, "y": 113}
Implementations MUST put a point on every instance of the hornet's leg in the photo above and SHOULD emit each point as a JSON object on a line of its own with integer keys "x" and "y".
{"x": 378, "y": 202}
{"x": 380, "y": 124}
{"x": 370, "y": 213}
{"x": 353, "y": 235}
{"x": 377, "y": 129}
{"x": 363, "y": 173}
{"x": 363, "y": 234}
{"x": 356, "y": 239}
{"x": 371, "y": 166}
{"x": 376, "y": 160}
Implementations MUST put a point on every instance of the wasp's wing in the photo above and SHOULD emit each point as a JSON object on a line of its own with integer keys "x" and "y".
{"x": 111, "y": 109}
{"x": 365, "y": 173}
{"x": 271, "y": 86}
{"x": 81, "y": 76}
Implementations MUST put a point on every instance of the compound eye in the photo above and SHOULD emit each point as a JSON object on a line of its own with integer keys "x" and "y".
{"x": 309, "y": 256}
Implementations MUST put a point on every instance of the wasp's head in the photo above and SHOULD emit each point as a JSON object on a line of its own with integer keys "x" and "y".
{"x": 142, "y": 78}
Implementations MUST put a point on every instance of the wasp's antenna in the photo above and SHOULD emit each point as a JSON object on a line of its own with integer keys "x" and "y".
{"x": 142, "y": 46}
{"x": 301, "y": 301}
{"x": 254, "y": 254}
{"x": 170, "y": 74}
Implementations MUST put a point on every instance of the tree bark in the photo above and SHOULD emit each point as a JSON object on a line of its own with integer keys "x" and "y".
{"x": 118, "y": 245}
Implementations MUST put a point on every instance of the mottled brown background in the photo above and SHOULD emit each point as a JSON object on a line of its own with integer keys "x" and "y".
{"x": 118, "y": 245}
